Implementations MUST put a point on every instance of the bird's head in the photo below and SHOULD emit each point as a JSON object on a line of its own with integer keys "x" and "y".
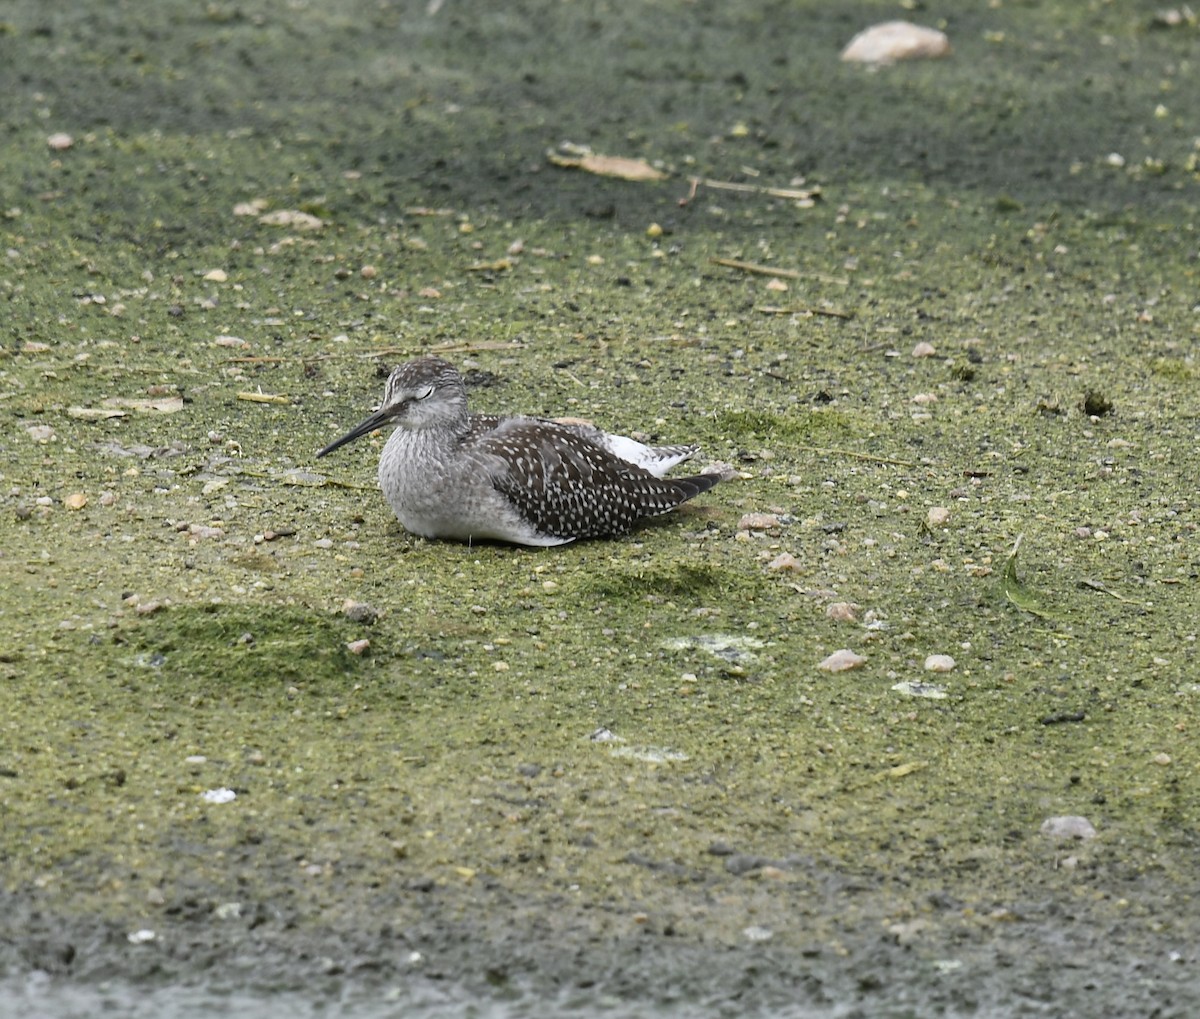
{"x": 421, "y": 394}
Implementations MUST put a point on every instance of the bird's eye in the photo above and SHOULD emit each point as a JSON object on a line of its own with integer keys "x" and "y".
{"x": 425, "y": 393}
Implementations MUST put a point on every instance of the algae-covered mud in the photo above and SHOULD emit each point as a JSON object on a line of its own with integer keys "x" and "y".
{"x": 262, "y": 751}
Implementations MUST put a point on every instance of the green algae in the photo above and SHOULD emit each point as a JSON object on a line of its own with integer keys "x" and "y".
{"x": 447, "y": 774}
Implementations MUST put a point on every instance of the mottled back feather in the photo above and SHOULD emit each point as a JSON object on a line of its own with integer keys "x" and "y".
{"x": 564, "y": 484}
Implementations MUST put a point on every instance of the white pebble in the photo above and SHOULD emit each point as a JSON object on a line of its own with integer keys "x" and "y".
{"x": 758, "y": 522}
{"x": 911, "y": 689}
{"x": 938, "y": 516}
{"x": 291, "y": 217}
{"x": 924, "y": 349}
{"x": 842, "y": 660}
{"x": 890, "y": 41}
{"x": 939, "y": 663}
{"x": 784, "y": 561}
{"x": 41, "y": 433}
{"x": 218, "y": 796}
{"x": 842, "y": 612}
{"x": 1070, "y": 826}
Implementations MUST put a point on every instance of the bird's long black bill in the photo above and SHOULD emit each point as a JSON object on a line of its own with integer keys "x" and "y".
{"x": 376, "y": 420}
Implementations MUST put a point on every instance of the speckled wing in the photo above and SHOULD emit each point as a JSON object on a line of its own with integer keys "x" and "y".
{"x": 655, "y": 459}
{"x": 566, "y": 486}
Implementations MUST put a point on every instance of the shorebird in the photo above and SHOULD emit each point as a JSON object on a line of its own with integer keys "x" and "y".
{"x": 450, "y": 473}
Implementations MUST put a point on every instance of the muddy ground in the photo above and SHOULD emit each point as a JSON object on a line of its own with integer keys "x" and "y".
{"x": 612, "y": 775}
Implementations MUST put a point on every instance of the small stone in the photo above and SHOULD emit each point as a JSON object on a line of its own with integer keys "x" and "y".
{"x": 939, "y": 663}
{"x": 60, "y": 141}
{"x": 654, "y": 231}
{"x": 251, "y": 208}
{"x": 368, "y": 272}
{"x": 1163, "y": 760}
{"x": 938, "y": 516}
{"x": 75, "y": 501}
{"x": 890, "y": 41}
{"x": 842, "y": 612}
{"x": 293, "y": 218}
{"x": 908, "y": 933}
{"x": 41, "y": 433}
{"x": 758, "y": 522}
{"x": 757, "y": 933}
{"x": 924, "y": 349}
{"x": 218, "y": 796}
{"x": 724, "y": 471}
{"x": 216, "y": 276}
{"x": 742, "y": 864}
{"x": 784, "y": 561}
{"x": 1068, "y": 827}
{"x": 499, "y": 666}
{"x": 911, "y": 689}
{"x": 357, "y": 647}
{"x": 360, "y": 611}
{"x": 141, "y": 937}
{"x": 841, "y": 661}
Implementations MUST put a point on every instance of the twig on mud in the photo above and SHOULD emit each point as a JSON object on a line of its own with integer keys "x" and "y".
{"x": 799, "y": 309}
{"x": 787, "y": 274}
{"x": 796, "y": 194}
{"x": 855, "y": 455}
{"x": 261, "y": 397}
